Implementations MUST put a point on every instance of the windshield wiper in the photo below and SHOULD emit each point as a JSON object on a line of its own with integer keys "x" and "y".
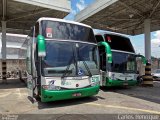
{"x": 88, "y": 70}
{"x": 68, "y": 66}
{"x": 86, "y": 66}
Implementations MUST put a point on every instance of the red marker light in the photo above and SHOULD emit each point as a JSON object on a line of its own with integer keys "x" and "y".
{"x": 109, "y": 38}
{"x": 49, "y": 32}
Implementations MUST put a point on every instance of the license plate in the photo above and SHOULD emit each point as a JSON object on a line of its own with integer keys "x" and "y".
{"x": 125, "y": 83}
{"x": 76, "y": 94}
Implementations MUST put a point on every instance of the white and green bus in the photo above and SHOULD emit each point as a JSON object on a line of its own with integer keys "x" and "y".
{"x": 62, "y": 60}
{"x": 123, "y": 69}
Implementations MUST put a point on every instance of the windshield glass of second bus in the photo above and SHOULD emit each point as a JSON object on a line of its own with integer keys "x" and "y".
{"x": 123, "y": 62}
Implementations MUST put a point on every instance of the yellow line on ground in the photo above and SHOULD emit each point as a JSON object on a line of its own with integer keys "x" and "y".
{"x": 19, "y": 92}
{"x": 4, "y": 94}
{"x": 126, "y": 108}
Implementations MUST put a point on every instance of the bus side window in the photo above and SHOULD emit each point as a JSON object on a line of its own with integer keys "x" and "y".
{"x": 99, "y": 38}
{"x": 29, "y": 65}
{"x": 29, "y": 52}
{"x": 35, "y": 46}
{"x": 36, "y": 29}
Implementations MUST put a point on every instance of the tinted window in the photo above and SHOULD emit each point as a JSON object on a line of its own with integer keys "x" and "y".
{"x": 99, "y": 38}
{"x": 36, "y": 29}
{"x": 68, "y": 57}
{"x": 119, "y": 43}
{"x": 123, "y": 62}
{"x": 67, "y": 31}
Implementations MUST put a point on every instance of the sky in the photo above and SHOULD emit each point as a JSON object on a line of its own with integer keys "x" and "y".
{"x": 137, "y": 41}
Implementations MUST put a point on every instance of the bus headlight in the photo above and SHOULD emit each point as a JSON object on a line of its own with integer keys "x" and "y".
{"x": 45, "y": 87}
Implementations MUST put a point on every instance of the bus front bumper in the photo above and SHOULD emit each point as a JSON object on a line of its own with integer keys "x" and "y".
{"x": 111, "y": 82}
{"x": 53, "y": 95}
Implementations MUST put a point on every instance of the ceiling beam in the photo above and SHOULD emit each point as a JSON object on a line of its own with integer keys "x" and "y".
{"x": 119, "y": 19}
{"x": 131, "y": 8}
{"x": 155, "y": 6}
{"x": 99, "y": 25}
{"x": 4, "y": 9}
{"x": 29, "y": 14}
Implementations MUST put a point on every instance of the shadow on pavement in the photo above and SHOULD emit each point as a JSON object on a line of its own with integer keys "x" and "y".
{"x": 145, "y": 93}
{"x": 12, "y": 83}
{"x": 63, "y": 103}
{"x": 115, "y": 88}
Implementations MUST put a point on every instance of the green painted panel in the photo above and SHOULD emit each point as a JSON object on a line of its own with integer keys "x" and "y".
{"x": 48, "y": 95}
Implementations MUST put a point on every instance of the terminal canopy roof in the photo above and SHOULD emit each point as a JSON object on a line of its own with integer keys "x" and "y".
{"x": 22, "y": 14}
{"x": 123, "y": 16}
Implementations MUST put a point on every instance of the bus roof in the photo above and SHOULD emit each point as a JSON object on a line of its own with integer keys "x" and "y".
{"x": 62, "y": 20}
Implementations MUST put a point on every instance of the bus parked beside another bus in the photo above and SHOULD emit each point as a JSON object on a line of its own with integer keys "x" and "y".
{"x": 123, "y": 70}
{"x": 62, "y": 60}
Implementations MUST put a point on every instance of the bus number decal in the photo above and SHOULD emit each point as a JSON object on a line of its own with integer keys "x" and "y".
{"x": 95, "y": 79}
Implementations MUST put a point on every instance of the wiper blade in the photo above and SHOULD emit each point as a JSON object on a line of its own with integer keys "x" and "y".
{"x": 66, "y": 70}
{"x": 86, "y": 66}
{"x": 72, "y": 58}
{"x": 88, "y": 70}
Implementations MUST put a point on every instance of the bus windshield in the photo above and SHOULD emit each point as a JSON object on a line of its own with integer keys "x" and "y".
{"x": 67, "y": 31}
{"x": 123, "y": 62}
{"x": 70, "y": 58}
{"x": 118, "y": 42}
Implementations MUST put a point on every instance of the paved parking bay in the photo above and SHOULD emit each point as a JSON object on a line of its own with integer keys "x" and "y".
{"x": 132, "y": 100}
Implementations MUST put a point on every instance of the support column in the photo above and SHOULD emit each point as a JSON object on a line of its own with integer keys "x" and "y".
{"x": 3, "y": 51}
{"x": 147, "y": 23}
{"x": 148, "y": 80}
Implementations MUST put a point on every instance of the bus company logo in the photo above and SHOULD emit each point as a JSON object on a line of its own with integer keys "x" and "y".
{"x": 80, "y": 71}
{"x": 52, "y": 82}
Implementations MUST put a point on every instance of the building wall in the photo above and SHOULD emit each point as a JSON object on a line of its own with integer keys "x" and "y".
{"x": 13, "y": 66}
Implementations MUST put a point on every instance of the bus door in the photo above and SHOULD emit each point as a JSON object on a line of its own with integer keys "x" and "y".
{"x": 105, "y": 58}
{"x": 29, "y": 69}
{"x": 31, "y": 73}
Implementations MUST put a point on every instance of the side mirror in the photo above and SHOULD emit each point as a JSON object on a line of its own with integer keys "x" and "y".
{"x": 41, "y": 46}
{"x": 107, "y": 50}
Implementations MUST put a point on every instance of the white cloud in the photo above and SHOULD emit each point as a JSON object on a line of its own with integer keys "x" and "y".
{"x": 157, "y": 34}
{"x": 155, "y": 44}
{"x": 80, "y": 5}
{"x": 74, "y": 12}
{"x": 156, "y": 39}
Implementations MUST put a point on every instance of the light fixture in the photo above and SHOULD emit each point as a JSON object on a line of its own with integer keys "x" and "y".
{"x": 131, "y": 15}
